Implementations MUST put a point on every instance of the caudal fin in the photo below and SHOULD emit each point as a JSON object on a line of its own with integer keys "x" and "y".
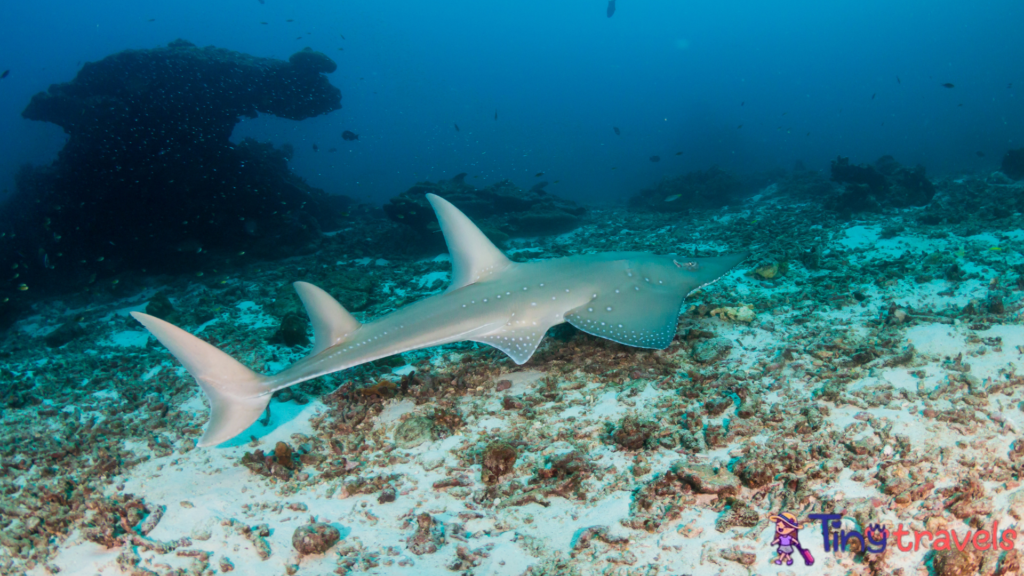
{"x": 237, "y": 394}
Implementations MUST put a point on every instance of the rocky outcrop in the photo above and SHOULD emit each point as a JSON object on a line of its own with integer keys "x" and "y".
{"x": 886, "y": 184}
{"x": 1013, "y": 164}
{"x": 149, "y": 179}
{"x": 701, "y": 189}
{"x": 501, "y": 210}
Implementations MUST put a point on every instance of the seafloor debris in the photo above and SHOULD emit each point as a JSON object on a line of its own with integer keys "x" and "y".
{"x": 429, "y": 535}
{"x": 315, "y": 538}
{"x": 497, "y": 461}
{"x": 282, "y": 463}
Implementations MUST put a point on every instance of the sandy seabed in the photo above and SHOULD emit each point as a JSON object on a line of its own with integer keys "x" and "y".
{"x": 849, "y": 367}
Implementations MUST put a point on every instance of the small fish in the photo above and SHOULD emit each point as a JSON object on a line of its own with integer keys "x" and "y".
{"x": 495, "y": 114}
{"x": 742, "y": 103}
{"x": 898, "y": 80}
{"x": 457, "y": 129}
{"x": 980, "y": 154}
{"x": 948, "y": 85}
{"x": 262, "y": 2}
{"x": 611, "y": 8}
{"x": 615, "y": 167}
{"x": 349, "y": 135}
{"x": 673, "y": 197}
{"x": 1010, "y": 85}
{"x": 289, "y": 20}
{"x": 4, "y": 75}
{"x": 332, "y": 150}
{"x": 556, "y": 181}
{"x": 873, "y": 96}
{"x": 538, "y": 174}
{"x": 23, "y": 287}
{"x": 264, "y": 23}
{"x": 740, "y": 126}
{"x": 679, "y": 153}
{"x": 151, "y": 20}
{"x": 315, "y": 148}
{"x": 996, "y": 249}
{"x": 616, "y": 128}
{"x": 655, "y": 158}
{"x": 342, "y": 36}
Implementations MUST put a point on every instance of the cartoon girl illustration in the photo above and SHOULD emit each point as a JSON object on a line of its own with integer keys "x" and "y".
{"x": 787, "y": 539}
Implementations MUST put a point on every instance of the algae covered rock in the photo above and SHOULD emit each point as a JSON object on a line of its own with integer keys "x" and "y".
{"x": 315, "y": 538}
{"x": 414, "y": 431}
{"x": 429, "y": 535}
{"x": 633, "y": 433}
{"x": 707, "y": 478}
{"x": 707, "y": 351}
{"x": 499, "y": 458}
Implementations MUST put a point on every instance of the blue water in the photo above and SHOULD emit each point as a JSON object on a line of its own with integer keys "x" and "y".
{"x": 806, "y": 81}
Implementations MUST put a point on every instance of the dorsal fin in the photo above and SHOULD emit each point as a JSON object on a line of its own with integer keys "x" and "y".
{"x": 474, "y": 257}
{"x": 331, "y": 322}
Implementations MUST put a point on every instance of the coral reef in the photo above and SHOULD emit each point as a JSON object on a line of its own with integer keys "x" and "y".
{"x": 1013, "y": 164}
{"x": 501, "y": 210}
{"x": 148, "y": 179}
{"x": 887, "y": 184}
{"x": 700, "y": 189}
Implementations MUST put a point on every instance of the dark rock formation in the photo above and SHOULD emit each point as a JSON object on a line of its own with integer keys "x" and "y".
{"x": 148, "y": 178}
{"x": 501, "y": 210}
{"x": 65, "y": 333}
{"x": 887, "y": 184}
{"x": 712, "y": 188}
{"x": 1013, "y": 164}
{"x": 291, "y": 332}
